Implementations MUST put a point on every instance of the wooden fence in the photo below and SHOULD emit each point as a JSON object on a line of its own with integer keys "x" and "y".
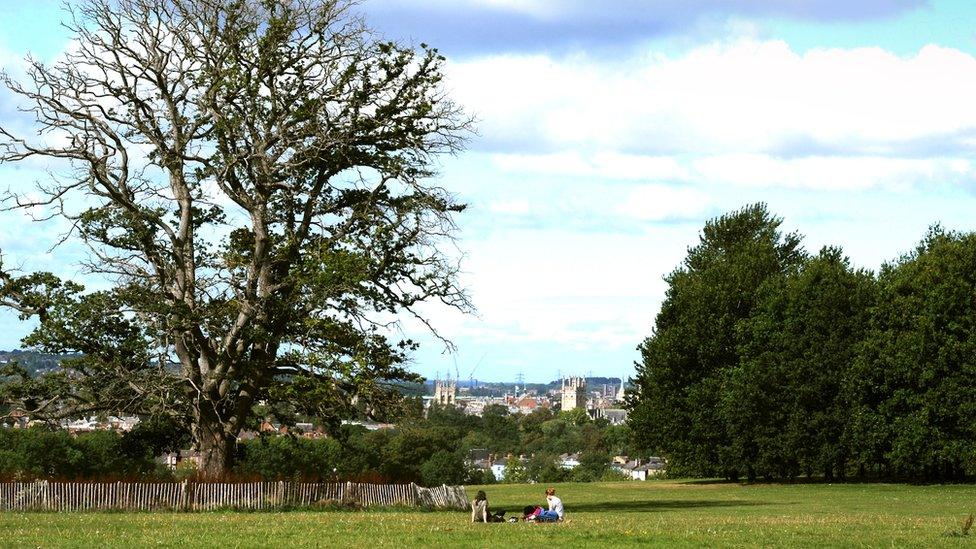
{"x": 192, "y": 496}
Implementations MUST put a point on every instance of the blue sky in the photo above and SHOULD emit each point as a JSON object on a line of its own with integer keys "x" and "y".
{"x": 608, "y": 135}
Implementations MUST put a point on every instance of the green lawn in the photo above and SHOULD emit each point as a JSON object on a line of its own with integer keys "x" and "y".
{"x": 690, "y": 514}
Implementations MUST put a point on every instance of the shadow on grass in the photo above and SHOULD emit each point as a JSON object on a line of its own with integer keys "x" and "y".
{"x": 853, "y": 481}
{"x": 647, "y": 506}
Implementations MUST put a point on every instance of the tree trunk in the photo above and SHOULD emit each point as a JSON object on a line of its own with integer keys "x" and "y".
{"x": 215, "y": 445}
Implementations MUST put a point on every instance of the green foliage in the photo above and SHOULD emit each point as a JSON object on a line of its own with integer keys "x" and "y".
{"x": 286, "y": 457}
{"x": 913, "y": 382}
{"x": 594, "y": 465}
{"x": 296, "y": 146}
{"x": 516, "y": 472}
{"x": 42, "y": 453}
{"x": 765, "y": 362}
{"x": 693, "y": 349}
{"x": 443, "y": 467}
{"x": 543, "y": 468}
{"x": 784, "y": 404}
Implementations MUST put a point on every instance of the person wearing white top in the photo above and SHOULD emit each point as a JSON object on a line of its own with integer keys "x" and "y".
{"x": 555, "y": 504}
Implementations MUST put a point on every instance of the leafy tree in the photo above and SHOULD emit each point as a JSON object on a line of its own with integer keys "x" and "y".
{"x": 281, "y": 457}
{"x": 40, "y": 452}
{"x": 544, "y": 468}
{"x": 152, "y": 437}
{"x": 486, "y": 476}
{"x": 362, "y": 451}
{"x": 251, "y": 175}
{"x": 443, "y": 467}
{"x": 500, "y": 429}
{"x": 784, "y": 404}
{"x": 516, "y": 472}
{"x": 594, "y": 465}
{"x": 618, "y": 440}
{"x": 913, "y": 382}
{"x": 694, "y": 344}
{"x": 532, "y": 440}
{"x": 407, "y": 450}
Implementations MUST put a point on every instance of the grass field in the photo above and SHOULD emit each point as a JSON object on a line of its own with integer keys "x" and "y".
{"x": 665, "y": 513}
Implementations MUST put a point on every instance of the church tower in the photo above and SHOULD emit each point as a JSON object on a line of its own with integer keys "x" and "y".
{"x": 445, "y": 392}
{"x": 574, "y": 393}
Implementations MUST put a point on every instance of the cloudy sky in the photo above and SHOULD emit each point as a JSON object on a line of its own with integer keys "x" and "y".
{"x": 608, "y": 132}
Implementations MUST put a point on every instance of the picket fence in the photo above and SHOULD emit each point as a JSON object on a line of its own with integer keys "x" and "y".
{"x": 194, "y": 496}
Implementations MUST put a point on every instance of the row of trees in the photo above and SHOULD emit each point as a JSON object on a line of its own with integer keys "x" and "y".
{"x": 767, "y": 361}
{"x": 437, "y": 449}
{"x": 430, "y": 451}
{"x": 40, "y": 452}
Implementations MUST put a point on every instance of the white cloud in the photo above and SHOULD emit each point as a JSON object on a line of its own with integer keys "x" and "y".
{"x": 511, "y": 207}
{"x": 606, "y": 164}
{"x": 747, "y": 112}
{"x": 833, "y": 173}
{"x": 744, "y": 97}
{"x": 563, "y": 287}
{"x": 660, "y": 202}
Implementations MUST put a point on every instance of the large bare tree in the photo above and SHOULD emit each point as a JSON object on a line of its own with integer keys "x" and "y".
{"x": 253, "y": 177}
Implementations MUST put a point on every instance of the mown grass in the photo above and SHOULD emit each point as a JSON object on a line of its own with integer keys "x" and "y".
{"x": 666, "y": 513}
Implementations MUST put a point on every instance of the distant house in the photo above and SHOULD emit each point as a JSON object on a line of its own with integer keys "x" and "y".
{"x": 369, "y": 425}
{"x": 614, "y": 416}
{"x": 640, "y": 469}
{"x": 80, "y": 425}
{"x": 123, "y": 423}
{"x": 527, "y": 404}
{"x": 310, "y": 430}
{"x": 175, "y": 459}
{"x": 482, "y": 465}
{"x": 498, "y": 468}
{"x": 569, "y": 461}
{"x": 245, "y": 436}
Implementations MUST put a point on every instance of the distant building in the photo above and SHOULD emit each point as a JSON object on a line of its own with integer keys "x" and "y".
{"x": 615, "y": 416}
{"x": 574, "y": 393}
{"x": 174, "y": 460}
{"x": 111, "y": 423}
{"x": 622, "y": 393}
{"x": 370, "y": 425}
{"x": 639, "y": 469}
{"x": 445, "y": 393}
{"x": 528, "y": 404}
{"x": 569, "y": 461}
{"x": 498, "y": 468}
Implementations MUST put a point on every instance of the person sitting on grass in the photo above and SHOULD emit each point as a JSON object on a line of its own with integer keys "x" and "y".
{"x": 534, "y": 513}
{"x": 555, "y": 504}
{"x": 479, "y": 510}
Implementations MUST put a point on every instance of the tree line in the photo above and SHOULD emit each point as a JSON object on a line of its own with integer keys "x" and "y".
{"x": 766, "y": 361}
{"x": 431, "y": 450}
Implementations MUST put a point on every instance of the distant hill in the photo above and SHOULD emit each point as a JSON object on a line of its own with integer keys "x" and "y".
{"x": 34, "y": 362}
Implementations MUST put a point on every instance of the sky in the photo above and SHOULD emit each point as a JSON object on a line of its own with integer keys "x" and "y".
{"x": 609, "y": 132}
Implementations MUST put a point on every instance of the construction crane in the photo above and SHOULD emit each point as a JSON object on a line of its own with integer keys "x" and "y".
{"x": 457, "y": 371}
{"x": 471, "y": 373}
